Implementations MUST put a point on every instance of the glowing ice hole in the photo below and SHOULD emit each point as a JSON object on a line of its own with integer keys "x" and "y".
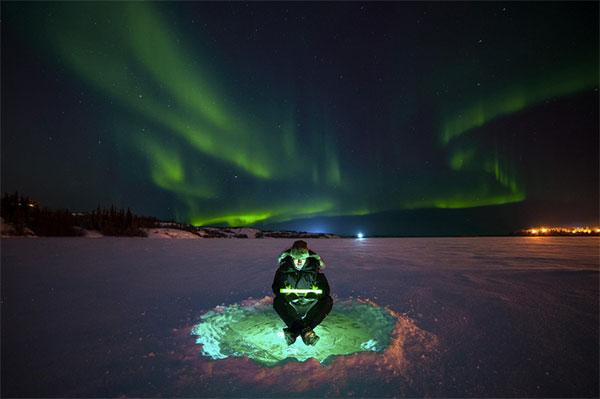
{"x": 255, "y": 330}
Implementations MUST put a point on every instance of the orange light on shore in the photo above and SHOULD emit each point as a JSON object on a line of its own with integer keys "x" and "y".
{"x": 562, "y": 230}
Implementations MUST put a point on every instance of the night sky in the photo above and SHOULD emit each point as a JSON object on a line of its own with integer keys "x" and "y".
{"x": 388, "y": 118}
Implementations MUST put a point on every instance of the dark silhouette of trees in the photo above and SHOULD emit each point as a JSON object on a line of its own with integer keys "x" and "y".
{"x": 24, "y": 213}
{"x": 116, "y": 222}
{"x": 15, "y": 210}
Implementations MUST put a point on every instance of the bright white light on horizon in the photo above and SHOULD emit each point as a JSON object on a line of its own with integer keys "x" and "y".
{"x": 359, "y": 235}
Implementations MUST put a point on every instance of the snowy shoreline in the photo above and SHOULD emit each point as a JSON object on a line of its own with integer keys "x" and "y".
{"x": 8, "y": 231}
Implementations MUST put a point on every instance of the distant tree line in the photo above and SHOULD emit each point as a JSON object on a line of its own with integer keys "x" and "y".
{"x": 116, "y": 222}
{"x": 26, "y": 214}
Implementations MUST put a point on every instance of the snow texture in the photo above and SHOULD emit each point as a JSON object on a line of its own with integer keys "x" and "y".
{"x": 255, "y": 331}
{"x": 170, "y": 233}
{"x": 477, "y": 317}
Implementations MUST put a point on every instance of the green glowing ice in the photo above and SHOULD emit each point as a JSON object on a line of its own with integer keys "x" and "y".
{"x": 255, "y": 331}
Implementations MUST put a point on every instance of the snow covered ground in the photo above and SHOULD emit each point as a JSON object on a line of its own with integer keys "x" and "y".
{"x": 511, "y": 317}
{"x": 170, "y": 233}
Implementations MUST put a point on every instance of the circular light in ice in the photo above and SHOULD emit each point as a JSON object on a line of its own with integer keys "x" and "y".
{"x": 254, "y": 330}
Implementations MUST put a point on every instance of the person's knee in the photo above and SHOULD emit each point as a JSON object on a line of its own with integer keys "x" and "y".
{"x": 324, "y": 305}
{"x": 278, "y": 302}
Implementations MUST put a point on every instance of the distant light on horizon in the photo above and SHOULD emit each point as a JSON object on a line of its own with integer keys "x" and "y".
{"x": 359, "y": 235}
{"x": 559, "y": 230}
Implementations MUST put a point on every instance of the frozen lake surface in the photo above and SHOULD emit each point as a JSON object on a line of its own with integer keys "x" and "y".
{"x": 513, "y": 316}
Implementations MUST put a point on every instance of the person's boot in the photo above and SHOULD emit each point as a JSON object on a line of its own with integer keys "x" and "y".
{"x": 309, "y": 337}
{"x": 290, "y": 336}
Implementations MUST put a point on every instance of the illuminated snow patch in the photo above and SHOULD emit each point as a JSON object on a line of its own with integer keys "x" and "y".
{"x": 254, "y": 330}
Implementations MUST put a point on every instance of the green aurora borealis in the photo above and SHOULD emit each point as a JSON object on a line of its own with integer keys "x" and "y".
{"x": 234, "y": 140}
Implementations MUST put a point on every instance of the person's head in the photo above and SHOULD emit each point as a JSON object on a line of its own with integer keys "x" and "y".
{"x": 299, "y": 253}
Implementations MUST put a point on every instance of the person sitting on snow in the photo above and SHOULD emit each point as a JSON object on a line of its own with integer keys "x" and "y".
{"x": 301, "y": 291}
